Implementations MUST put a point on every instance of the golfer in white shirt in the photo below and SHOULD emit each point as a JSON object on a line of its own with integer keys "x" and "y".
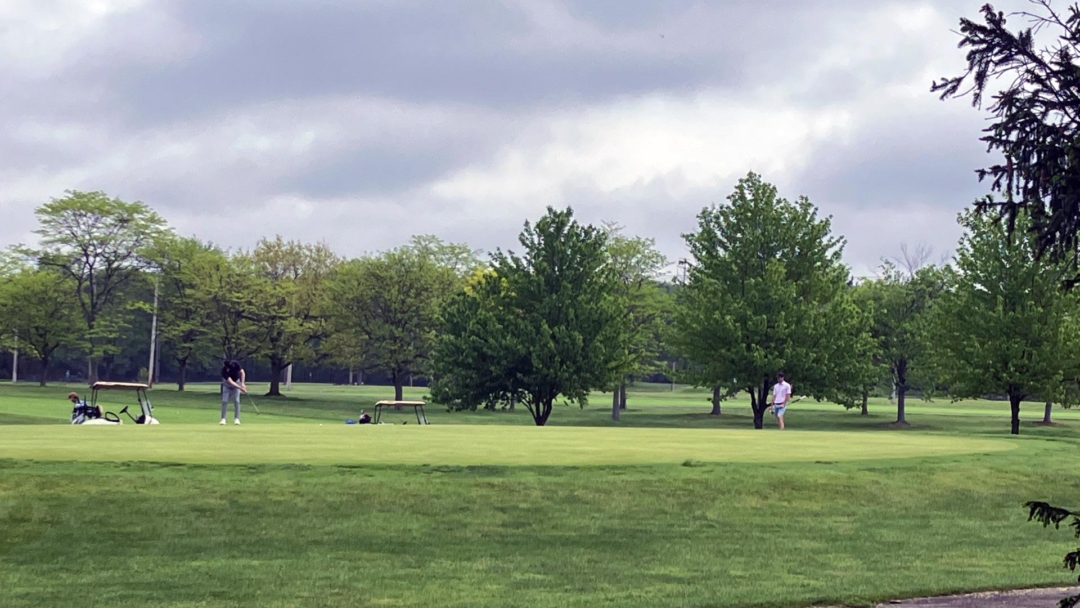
{"x": 781, "y": 395}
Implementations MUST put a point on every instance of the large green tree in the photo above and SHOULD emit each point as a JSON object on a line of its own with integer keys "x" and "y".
{"x": 766, "y": 292}
{"x": 637, "y": 265}
{"x": 186, "y": 267}
{"x": 101, "y": 243}
{"x": 1003, "y": 325}
{"x": 289, "y": 299}
{"x": 231, "y": 288}
{"x": 540, "y": 326}
{"x": 391, "y": 304}
{"x": 38, "y": 307}
{"x": 900, "y": 301}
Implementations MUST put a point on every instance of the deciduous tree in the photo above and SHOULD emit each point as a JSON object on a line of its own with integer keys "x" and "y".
{"x": 289, "y": 301}
{"x": 637, "y": 265}
{"x": 39, "y": 306}
{"x": 900, "y": 303}
{"x": 540, "y": 326}
{"x": 766, "y": 292}
{"x": 392, "y": 305}
{"x": 186, "y": 268}
{"x": 101, "y": 244}
{"x": 1003, "y": 326}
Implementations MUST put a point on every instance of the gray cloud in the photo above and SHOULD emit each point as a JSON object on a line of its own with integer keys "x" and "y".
{"x": 346, "y": 121}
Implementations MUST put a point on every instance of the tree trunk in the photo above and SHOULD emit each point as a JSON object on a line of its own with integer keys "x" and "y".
{"x": 350, "y": 376}
{"x": 622, "y": 396}
{"x": 181, "y": 374}
{"x": 513, "y": 401}
{"x": 758, "y": 404}
{"x": 901, "y": 414}
{"x": 615, "y": 404}
{"x": 397, "y": 387}
{"x": 543, "y": 412}
{"x": 865, "y": 396}
{"x": 1046, "y": 414}
{"x": 1014, "y": 402}
{"x": 276, "y": 367}
{"x": 715, "y": 401}
{"x": 901, "y": 391}
{"x": 44, "y": 376}
{"x": 91, "y": 370}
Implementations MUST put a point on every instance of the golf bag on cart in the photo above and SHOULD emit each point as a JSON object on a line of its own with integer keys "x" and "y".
{"x": 84, "y": 413}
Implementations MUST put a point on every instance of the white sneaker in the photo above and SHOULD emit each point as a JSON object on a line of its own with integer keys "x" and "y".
{"x": 222, "y": 421}
{"x": 237, "y": 421}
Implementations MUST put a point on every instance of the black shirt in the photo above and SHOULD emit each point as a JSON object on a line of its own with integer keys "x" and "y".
{"x": 231, "y": 372}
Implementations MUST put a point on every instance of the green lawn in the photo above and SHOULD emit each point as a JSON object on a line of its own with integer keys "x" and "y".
{"x": 676, "y": 508}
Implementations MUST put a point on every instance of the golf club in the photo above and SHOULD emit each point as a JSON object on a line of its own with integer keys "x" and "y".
{"x": 252, "y": 402}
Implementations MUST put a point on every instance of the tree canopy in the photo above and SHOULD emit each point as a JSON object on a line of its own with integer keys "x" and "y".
{"x": 185, "y": 268}
{"x": 289, "y": 290}
{"x": 900, "y": 302}
{"x": 101, "y": 243}
{"x": 766, "y": 292}
{"x": 388, "y": 306}
{"x": 38, "y": 307}
{"x": 540, "y": 326}
{"x": 637, "y": 265}
{"x": 1005, "y": 325}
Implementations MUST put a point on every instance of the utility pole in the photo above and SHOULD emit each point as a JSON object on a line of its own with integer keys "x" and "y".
{"x": 153, "y": 340}
{"x": 288, "y": 377}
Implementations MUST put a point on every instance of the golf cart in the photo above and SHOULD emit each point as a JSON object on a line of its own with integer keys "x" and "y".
{"x": 147, "y": 411}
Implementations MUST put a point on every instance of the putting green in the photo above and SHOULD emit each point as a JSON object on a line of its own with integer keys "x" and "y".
{"x": 463, "y": 445}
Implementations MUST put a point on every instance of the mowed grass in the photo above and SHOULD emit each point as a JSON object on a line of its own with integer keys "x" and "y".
{"x": 650, "y": 406}
{"x": 673, "y": 508}
{"x": 463, "y": 445}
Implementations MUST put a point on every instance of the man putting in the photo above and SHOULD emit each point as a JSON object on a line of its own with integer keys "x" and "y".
{"x": 781, "y": 396}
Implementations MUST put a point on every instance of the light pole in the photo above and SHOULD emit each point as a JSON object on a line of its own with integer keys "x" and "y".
{"x": 153, "y": 339}
{"x": 15, "y": 362}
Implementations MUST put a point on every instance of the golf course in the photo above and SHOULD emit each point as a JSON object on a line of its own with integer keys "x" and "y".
{"x": 672, "y": 507}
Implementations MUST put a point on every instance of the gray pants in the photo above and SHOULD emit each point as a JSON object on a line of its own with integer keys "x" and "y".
{"x": 230, "y": 393}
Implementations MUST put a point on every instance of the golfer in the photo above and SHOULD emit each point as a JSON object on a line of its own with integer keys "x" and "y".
{"x": 233, "y": 382}
{"x": 781, "y": 396}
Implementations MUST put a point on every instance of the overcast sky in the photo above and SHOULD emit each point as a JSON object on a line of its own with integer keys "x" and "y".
{"x": 362, "y": 122}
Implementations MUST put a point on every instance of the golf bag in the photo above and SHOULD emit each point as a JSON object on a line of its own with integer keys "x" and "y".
{"x": 364, "y": 419}
{"x": 83, "y": 413}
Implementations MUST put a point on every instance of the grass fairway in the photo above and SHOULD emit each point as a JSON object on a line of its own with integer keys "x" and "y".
{"x": 481, "y": 509}
{"x": 463, "y": 445}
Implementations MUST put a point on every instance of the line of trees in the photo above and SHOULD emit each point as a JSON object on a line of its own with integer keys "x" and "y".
{"x": 577, "y": 309}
